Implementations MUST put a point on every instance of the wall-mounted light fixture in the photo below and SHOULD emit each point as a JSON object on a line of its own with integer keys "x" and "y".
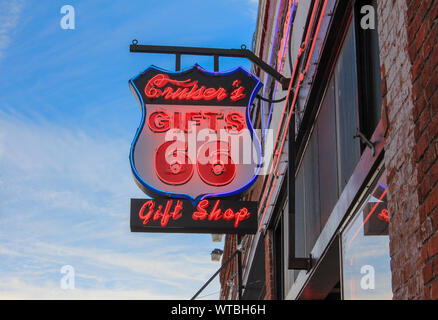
{"x": 216, "y": 237}
{"x": 216, "y": 254}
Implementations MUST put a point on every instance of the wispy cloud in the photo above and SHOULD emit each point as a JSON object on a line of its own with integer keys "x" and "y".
{"x": 9, "y": 16}
{"x": 64, "y": 199}
{"x": 15, "y": 288}
{"x": 94, "y": 263}
{"x": 253, "y": 8}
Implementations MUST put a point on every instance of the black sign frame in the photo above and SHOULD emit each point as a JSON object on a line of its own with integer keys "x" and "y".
{"x": 183, "y": 216}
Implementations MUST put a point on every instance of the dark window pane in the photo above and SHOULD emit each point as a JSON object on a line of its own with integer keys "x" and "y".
{"x": 375, "y": 109}
{"x": 328, "y": 172}
{"x": 278, "y": 262}
{"x": 369, "y": 73}
{"x": 347, "y": 109}
{"x": 300, "y": 239}
{"x": 311, "y": 176}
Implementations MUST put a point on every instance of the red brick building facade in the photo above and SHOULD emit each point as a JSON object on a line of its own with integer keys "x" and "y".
{"x": 408, "y": 38}
{"x": 404, "y": 162}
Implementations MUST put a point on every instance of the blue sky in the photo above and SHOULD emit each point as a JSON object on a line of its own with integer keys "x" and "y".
{"x": 67, "y": 119}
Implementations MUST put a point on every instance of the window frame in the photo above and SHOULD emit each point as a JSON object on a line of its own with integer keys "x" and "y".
{"x": 366, "y": 85}
{"x": 356, "y": 210}
{"x": 346, "y": 17}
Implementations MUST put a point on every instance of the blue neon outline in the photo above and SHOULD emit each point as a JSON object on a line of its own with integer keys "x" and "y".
{"x": 264, "y": 123}
{"x": 281, "y": 68}
{"x": 248, "y": 119}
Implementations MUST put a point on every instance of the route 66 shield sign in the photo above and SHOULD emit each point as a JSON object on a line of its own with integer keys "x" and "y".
{"x": 195, "y": 139}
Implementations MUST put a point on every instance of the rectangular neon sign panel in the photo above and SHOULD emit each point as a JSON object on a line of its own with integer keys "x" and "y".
{"x": 210, "y": 215}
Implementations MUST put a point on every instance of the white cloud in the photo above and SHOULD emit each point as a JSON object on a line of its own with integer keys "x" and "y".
{"x": 141, "y": 275}
{"x": 157, "y": 263}
{"x": 40, "y": 159}
{"x": 15, "y": 288}
{"x": 9, "y": 16}
{"x": 64, "y": 199}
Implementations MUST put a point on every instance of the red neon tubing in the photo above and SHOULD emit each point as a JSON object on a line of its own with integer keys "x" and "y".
{"x": 290, "y": 86}
{"x": 316, "y": 34}
{"x": 278, "y": 152}
{"x": 367, "y": 218}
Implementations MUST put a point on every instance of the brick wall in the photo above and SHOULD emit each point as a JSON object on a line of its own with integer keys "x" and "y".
{"x": 269, "y": 265}
{"x": 229, "y": 272}
{"x": 408, "y": 52}
{"x": 422, "y": 26}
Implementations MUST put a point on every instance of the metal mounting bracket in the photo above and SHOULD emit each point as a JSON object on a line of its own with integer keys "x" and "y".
{"x": 365, "y": 141}
{"x": 243, "y": 52}
{"x": 301, "y": 263}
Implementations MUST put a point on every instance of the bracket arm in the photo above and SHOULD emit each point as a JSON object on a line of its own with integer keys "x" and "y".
{"x": 243, "y": 52}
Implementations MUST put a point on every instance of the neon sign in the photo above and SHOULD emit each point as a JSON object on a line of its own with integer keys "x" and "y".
{"x": 181, "y": 216}
{"x": 189, "y": 90}
{"x": 383, "y": 215}
{"x": 192, "y": 123}
{"x": 163, "y": 121}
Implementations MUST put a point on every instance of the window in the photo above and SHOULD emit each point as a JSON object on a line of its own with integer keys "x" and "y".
{"x": 284, "y": 278}
{"x": 347, "y": 109}
{"x": 365, "y": 249}
{"x": 351, "y": 102}
{"x": 289, "y": 275}
{"x": 327, "y": 151}
{"x": 279, "y": 259}
{"x": 369, "y": 70}
{"x": 300, "y": 224}
{"x": 332, "y": 152}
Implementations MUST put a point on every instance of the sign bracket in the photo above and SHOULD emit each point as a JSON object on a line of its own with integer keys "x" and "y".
{"x": 243, "y": 52}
